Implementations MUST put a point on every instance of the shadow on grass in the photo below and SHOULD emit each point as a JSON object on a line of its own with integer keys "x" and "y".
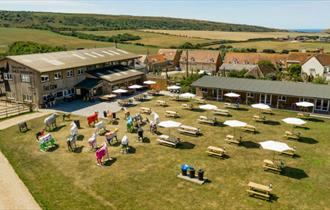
{"x": 197, "y": 110}
{"x": 242, "y": 109}
{"x": 294, "y": 173}
{"x": 131, "y": 150}
{"x": 251, "y": 132}
{"x": 307, "y": 140}
{"x": 271, "y": 122}
{"x": 25, "y": 131}
{"x": 186, "y": 145}
{"x": 302, "y": 127}
{"x": 58, "y": 128}
{"x": 110, "y": 161}
{"x": 146, "y": 140}
{"x": 52, "y": 149}
{"x": 80, "y": 137}
{"x": 314, "y": 119}
{"x": 78, "y": 149}
{"x": 250, "y": 144}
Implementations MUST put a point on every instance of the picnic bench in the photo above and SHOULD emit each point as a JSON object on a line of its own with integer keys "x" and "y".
{"x": 216, "y": 151}
{"x": 222, "y": 112}
{"x": 161, "y": 103}
{"x": 231, "y": 106}
{"x": 174, "y": 98}
{"x": 303, "y": 114}
{"x": 168, "y": 141}
{"x": 267, "y": 111}
{"x": 249, "y": 128}
{"x": 292, "y": 135}
{"x": 259, "y": 118}
{"x": 231, "y": 139}
{"x": 125, "y": 102}
{"x": 145, "y": 110}
{"x": 259, "y": 190}
{"x": 153, "y": 92}
{"x": 291, "y": 153}
{"x": 274, "y": 166}
{"x": 139, "y": 98}
{"x": 108, "y": 97}
{"x": 206, "y": 120}
{"x": 171, "y": 114}
{"x": 187, "y": 106}
{"x": 200, "y": 100}
{"x": 184, "y": 129}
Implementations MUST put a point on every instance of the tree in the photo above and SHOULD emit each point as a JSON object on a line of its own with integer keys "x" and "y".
{"x": 294, "y": 71}
{"x": 319, "y": 80}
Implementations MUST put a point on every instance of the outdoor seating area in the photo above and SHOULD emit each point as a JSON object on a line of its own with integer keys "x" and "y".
{"x": 292, "y": 135}
{"x": 172, "y": 114}
{"x": 168, "y": 140}
{"x": 276, "y": 166}
{"x": 206, "y": 120}
{"x": 259, "y": 118}
{"x": 216, "y": 151}
{"x": 231, "y": 106}
{"x": 259, "y": 190}
{"x": 125, "y": 102}
{"x": 222, "y": 112}
{"x": 161, "y": 103}
{"x": 187, "y": 106}
{"x": 189, "y": 130}
{"x": 195, "y": 141}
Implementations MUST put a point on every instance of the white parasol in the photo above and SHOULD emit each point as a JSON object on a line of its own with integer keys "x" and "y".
{"x": 169, "y": 124}
{"x": 135, "y": 87}
{"x": 275, "y": 146}
{"x": 120, "y": 91}
{"x": 149, "y": 82}
{"x": 232, "y": 95}
{"x": 234, "y": 124}
{"x": 305, "y": 104}
{"x": 261, "y": 106}
{"x": 208, "y": 107}
{"x": 187, "y": 95}
{"x": 173, "y": 87}
{"x": 294, "y": 121}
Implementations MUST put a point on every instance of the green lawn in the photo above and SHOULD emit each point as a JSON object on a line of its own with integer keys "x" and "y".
{"x": 10, "y": 35}
{"x": 155, "y": 39}
{"x": 147, "y": 178}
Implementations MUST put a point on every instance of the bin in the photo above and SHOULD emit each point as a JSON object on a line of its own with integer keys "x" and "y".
{"x": 184, "y": 169}
{"x": 114, "y": 116}
{"x": 201, "y": 174}
{"x": 192, "y": 173}
{"x": 104, "y": 114}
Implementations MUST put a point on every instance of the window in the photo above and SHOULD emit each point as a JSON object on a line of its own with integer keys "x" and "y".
{"x": 25, "y": 78}
{"x": 44, "y": 78}
{"x": 69, "y": 73}
{"x": 312, "y": 71}
{"x": 59, "y": 94}
{"x": 204, "y": 90}
{"x": 10, "y": 95}
{"x": 80, "y": 71}
{"x": 281, "y": 98}
{"x": 250, "y": 95}
{"x": 27, "y": 97}
{"x": 8, "y": 76}
{"x": 46, "y": 87}
{"x": 69, "y": 91}
{"x": 52, "y": 87}
{"x": 57, "y": 75}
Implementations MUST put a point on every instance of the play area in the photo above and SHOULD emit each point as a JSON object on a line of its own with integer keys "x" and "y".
{"x": 174, "y": 153}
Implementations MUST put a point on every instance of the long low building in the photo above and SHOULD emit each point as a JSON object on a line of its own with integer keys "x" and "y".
{"x": 46, "y": 78}
{"x": 278, "y": 94}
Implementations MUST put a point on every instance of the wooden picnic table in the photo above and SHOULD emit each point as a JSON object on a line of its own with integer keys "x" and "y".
{"x": 185, "y": 129}
{"x": 263, "y": 191}
{"x": 168, "y": 141}
{"x": 216, "y": 151}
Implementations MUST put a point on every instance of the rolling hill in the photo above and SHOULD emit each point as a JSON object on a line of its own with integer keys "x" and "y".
{"x": 67, "y": 21}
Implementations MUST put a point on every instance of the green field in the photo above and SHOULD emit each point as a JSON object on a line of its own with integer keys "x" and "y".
{"x": 147, "y": 179}
{"x": 155, "y": 39}
{"x": 279, "y": 46}
{"x": 10, "y": 35}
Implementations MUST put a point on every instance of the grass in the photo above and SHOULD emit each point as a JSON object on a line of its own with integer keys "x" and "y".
{"x": 10, "y": 35}
{"x": 154, "y": 39}
{"x": 235, "y": 36}
{"x": 147, "y": 178}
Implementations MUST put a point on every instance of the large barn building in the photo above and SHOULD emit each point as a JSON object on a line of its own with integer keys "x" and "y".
{"x": 44, "y": 79}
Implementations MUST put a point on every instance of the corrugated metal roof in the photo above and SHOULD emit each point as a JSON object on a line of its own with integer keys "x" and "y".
{"x": 306, "y": 90}
{"x": 115, "y": 73}
{"x": 45, "y": 62}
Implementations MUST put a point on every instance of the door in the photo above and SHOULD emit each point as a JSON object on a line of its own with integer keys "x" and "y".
{"x": 265, "y": 99}
{"x": 322, "y": 105}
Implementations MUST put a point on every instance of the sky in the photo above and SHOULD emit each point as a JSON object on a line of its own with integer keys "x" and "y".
{"x": 283, "y": 14}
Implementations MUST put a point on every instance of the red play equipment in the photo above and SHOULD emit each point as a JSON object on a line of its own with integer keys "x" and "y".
{"x": 93, "y": 118}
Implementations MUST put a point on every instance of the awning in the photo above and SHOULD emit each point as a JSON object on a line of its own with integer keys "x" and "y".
{"x": 88, "y": 83}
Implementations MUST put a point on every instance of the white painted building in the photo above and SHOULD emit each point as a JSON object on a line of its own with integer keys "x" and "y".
{"x": 318, "y": 65}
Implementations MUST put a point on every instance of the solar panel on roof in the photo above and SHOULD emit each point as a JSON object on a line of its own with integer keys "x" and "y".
{"x": 95, "y": 53}
{"x": 79, "y": 56}
{"x": 122, "y": 51}
{"x": 107, "y": 53}
{"x": 93, "y": 56}
{"x": 110, "y": 51}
